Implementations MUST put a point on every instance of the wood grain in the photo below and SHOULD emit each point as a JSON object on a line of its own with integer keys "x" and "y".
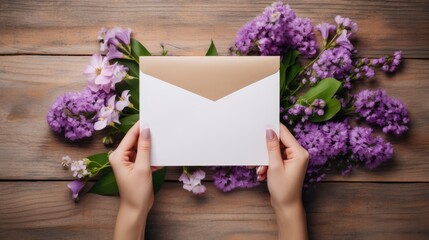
{"x": 44, "y": 210}
{"x": 70, "y": 27}
{"x": 29, "y": 150}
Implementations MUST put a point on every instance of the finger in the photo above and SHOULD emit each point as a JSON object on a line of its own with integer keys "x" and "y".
{"x": 273, "y": 146}
{"x": 155, "y": 168}
{"x": 262, "y": 177}
{"x": 130, "y": 138}
{"x": 143, "y": 150}
{"x": 287, "y": 138}
{"x": 261, "y": 170}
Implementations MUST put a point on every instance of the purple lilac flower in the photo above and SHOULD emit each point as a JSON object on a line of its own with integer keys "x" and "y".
{"x": 302, "y": 37}
{"x": 363, "y": 69}
{"x": 275, "y": 31}
{"x": 75, "y": 187}
{"x": 192, "y": 182}
{"x": 108, "y": 115}
{"x": 371, "y": 151}
{"x": 389, "y": 63}
{"x": 102, "y": 75}
{"x": 79, "y": 168}
{"x": 113, "y": 53}
{"x": 379, "y": 109}
{"x": 74, "y": 114}
{"x": 336, "y": 62}
{"x": 123, "y": 100}
{"x": 115, "y": 36}
{"x": 66, "y": 161}
{"x": 344, "y": 41}
{"x": 230, "y": 178}
{"x": 314, "y": 174}
{"x": 316, "y": 108}
{"x": 346, "y": 23}
{"x": 325, "y": 29}
{"x": 322, "y": 141}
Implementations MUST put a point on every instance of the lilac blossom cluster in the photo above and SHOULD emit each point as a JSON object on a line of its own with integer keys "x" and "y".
{"x": 74, "y": 114}
{"x": 274, "y": 32}
{"x": 370, "y": 150}
{"x": 375, "y": 107}
{"x": 80, "y": 171}
{"x": 230, "y": 178}
{"x": 334, "y": 144}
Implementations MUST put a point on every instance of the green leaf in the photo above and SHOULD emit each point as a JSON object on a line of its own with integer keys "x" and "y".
{"x": 98, "y": 160}
{"x": 133, "y": 67}
{"x": 212, "y": 50}
{"x": 107, "y": 185}
{"x": 127, "y": 122}
{"x": 291, "y": 73}
{"x": 332, "y": 107}
{"x": 325, "y": 90}
{"x": 289, "y": 69}
{"x": 137, "y": 49}
{"x": 290, "y": 58}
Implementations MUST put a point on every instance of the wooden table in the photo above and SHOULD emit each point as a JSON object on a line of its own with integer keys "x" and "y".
{"x": 44, "y": 46}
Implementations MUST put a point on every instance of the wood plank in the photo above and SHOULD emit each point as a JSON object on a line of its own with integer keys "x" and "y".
{"x": 70, "y": 27}
{"x": 29, "y": 150}
{"x": 44, "y": 210}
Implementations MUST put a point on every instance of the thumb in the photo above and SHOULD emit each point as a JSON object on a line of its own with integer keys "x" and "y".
{"x": 273, "y": 146}
{"x": 143, "y": 150}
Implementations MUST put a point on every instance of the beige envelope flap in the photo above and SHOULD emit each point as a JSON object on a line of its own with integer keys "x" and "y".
{"x": 210, "y": 77}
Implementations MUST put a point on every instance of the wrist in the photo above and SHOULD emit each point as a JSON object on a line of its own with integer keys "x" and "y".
{"x": 137, "y": 210}
{"x": 286, "y": 212}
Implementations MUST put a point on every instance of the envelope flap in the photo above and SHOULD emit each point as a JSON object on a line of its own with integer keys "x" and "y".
{"x": 210, "y": 77}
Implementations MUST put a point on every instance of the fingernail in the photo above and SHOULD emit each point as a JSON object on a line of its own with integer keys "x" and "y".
{"x": 269, "y": 133}
{"x": 258, "y": 170}
{"x": 146, "y": 133}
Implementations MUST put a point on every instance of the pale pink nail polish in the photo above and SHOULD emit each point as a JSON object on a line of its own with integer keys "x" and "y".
{"x": 269, "y": 134}
{"x": 146, "y": 133}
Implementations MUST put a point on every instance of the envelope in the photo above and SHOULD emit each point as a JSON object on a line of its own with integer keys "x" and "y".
{"x": 209, "y": 110}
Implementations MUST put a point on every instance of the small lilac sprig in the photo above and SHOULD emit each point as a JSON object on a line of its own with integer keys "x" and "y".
{"x": 82, "y": 172}
{"x": 116, "y": 41}
{"x": 192, "y": 181}
{"x": 389, "y": 63}
{"x": 334, "y": 59}
{"x": 304, "y": 110}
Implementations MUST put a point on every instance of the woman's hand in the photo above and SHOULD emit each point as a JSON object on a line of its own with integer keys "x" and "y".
{"x": 285, "y": 175}
{"x": 133, "y": 174}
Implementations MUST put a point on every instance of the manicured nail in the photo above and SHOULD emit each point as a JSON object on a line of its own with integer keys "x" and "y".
{"x": 258, "y": 170}
{"x": 146, "y": 133}
{"x": 269, "y": 133}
